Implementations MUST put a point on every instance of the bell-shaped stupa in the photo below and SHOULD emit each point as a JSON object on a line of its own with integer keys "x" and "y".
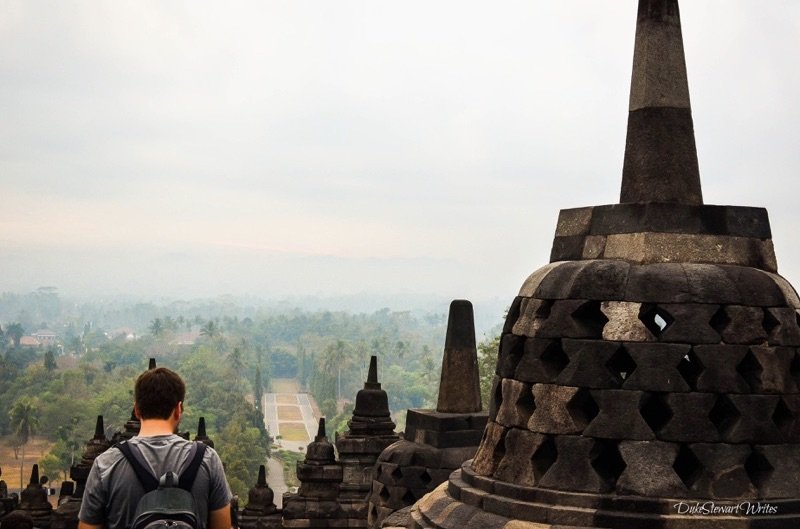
{"x": 648, "y": 377}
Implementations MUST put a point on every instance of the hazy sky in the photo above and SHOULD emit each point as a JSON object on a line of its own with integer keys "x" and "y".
{"x": 328, "y": 147}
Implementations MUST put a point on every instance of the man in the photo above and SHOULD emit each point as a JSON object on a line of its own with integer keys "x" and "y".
{"x": 113, "y": 490}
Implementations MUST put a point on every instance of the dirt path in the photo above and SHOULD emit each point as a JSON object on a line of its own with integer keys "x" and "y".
{"x": 276, "y": 480}
{"x": 290, "y": 414}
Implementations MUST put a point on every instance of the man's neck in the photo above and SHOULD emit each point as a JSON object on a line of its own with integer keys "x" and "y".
{"x": 154, "y": 427}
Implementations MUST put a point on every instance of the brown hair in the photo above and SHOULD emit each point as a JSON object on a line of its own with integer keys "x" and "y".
{"x": 157, "y": 392}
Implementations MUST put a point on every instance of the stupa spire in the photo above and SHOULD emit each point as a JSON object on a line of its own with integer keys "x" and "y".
{"x": 459, "y": 388}
{"x": 660, "y": 153}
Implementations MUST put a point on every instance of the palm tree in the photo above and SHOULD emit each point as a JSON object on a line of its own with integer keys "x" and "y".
{"x": 25, "y": 421}
{"x": 16, "y": 332}
{"x": 156, "y": 327}
{"x": 210, "y": 329}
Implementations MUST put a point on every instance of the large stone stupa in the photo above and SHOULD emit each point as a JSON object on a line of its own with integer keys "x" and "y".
{"x": 648, "y": 377}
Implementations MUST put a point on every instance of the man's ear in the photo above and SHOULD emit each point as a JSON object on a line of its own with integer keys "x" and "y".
{"x": 136, "y": 412}
{"x": 178, "y": 413}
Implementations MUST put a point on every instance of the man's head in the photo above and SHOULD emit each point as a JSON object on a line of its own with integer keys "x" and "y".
{"x": 158, "y": 394}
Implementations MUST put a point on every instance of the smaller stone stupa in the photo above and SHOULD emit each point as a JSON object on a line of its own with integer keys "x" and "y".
{"x": 316, "y": 503}
{"x": 436, "y": 441}
{"x": 370, "y": 431}
{"x": 33, "y": 501}
{"x": 260, "y": 512}
{"x": 201, "y": 433}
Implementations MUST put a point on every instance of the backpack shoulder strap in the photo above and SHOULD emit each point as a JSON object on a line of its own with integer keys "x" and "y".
{"x": 195, "y": 459}
{"x": 139, "y": 465}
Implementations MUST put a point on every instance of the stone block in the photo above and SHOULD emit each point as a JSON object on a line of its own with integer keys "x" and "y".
{"x": 573, "y": 318}
{"x": 787, "y": 418}
{"x": 771, "y": 370}
{"x": 709, "y": 283}
{"x": 619, "y": 416}
{"x": 754, "y": 423}
{"x": 496, "y": 397}
{"x": 624, "y": 324}
{"x": 719, "y": 374}
{"x": 509, "y": 354}
{"x": 574, "y": 221}
{"x": 531, "y": 284}
{"x": 594, "y": 246}
{"x": 518, "y": 404}
{"x": 721, "y": 472}
{"x": 658, "y": 283}
{"x": 601, "y": 279}
{"x": 517, "y": 465}
{"x": 567, "y": 248}
{"x": 690, "y": 421}
{"x": 739, "y": 324}
{"x": 692, "y": 324}
{"x": 561, "y": 409}
{"x": 513, "y": 314}
{"x": 649, "y": 470}
{"x": 532, "y": 312}
{"x": 542, "y": 361}
{"x": 776, "y": 470}
{"x": 574, "y": 467}
{"x": 756, "y": 287}
{"x": 557, "y": 284}
{"x": 783, "y": 327}
{"x": 588, "y": 364}
{"x": 656, "y": 367}
{"x": 491, "y": 450}
{"x": 789, "y": 293}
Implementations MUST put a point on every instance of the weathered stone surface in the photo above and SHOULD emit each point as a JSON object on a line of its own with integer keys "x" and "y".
{"x": 624, "y": 324}
{"x": 491, "y": 451}
{"x": 518, "y": 404}
{"x": 777, "y": 475}
{"x": 588, "y": 364}
{"x": 768, "y": 369}
{"x": 658, "y": 283}
{"x": 601, "y": 279}
{"x": 619, "y": 416}
{"x": 754, "y": 423}
{"x": 648, "y": 469}
{"x": 756, "y": 287}
{"x": 721, "y": 471}
{"x": 742, "y": 325}
{"x": 783, "y": 326}
{"x": 459, "y": 388}
{"x": 573, "y": 468}
{"x": 532, "y": 312}
{"x": 646, "y": 248}
{"x": 719, "y": 374}
{"x": 656, "y": 367}
{"x": 531, "y": 284}
{"x": 517, "y": 464}
{"x": 573, "y": 318}
{"x": 690, "y": 418}
{"x": 542, "y": 361}
{"x": 561, "y": 409}
{"x": 557, "y": 283}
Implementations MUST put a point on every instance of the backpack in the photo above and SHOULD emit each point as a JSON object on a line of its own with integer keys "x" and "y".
{"x": 168, "y": 502}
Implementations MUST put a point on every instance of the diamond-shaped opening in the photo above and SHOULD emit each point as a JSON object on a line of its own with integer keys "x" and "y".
{"x": 497, "y": 397}
{"x": 720, "y": 320}
{"x": 655, "y": 411}
{"x": 607, "y": 461}
{"x": 543, "y": 310}
{"x": 526, "y": 403}
{"x": 690, "y": 368}
{"x": 656, "y": 319}
{"x": 783, "y": 418}
{"x": 794, "y": 368}
{"x": 590, "y": 315}
{"x": 724, "y": 414}
{"x": 582, "y": 407}
{"x": 750, "y": 369}
{"x": 621, "y": 365}
{"x": 408, "y": 498}
{"x": 384, "y": 493}
{"x": 425, "y": 478}
{"x": 543, "y": 458}
{"x": 397, "y": 473}
{"x": 769, "y": 322}
{"x": 758, "y": 468}
{"x": 554, "y": 359}
{"x": 687, "y": 466}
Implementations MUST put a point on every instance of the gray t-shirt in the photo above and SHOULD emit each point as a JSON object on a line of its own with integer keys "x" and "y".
{"x": 113, "y": 491}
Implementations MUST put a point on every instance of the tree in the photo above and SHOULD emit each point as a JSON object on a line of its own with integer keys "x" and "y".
{"x": 156, "y": 327}
{"x": 258, "y": 388}
{"x": 210, "y": 329}
{"x": 487, "y": 363}
{"x": 25, "y": 422}
{"x": 49, "y": 360}
{"x": 16, "y": 332}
